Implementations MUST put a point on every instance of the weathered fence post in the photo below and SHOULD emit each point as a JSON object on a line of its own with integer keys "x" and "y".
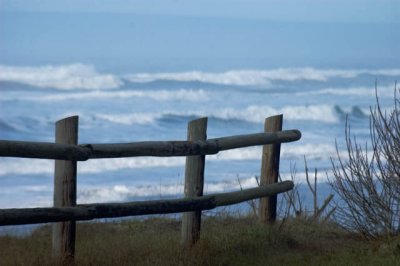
{"x": 65, "y": 192}
{"x": 270, "y": 169}
{"x": 194, "y": 182}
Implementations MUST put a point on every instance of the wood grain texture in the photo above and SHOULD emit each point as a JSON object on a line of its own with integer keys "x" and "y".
{"x": 194, "y": 183}
{"x": 270, "y": 169}
{"x": 61, "y": 151}
{"x": 65, "y": 191}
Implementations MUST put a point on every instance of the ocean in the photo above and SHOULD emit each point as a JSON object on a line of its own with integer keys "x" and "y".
{"x": 157, "y": 106}
{"x": 149, "y": 100}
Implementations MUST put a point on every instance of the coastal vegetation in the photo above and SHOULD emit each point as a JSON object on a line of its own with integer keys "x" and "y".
{"x": 367, "y": 179}
{"x": 225, "y": 240}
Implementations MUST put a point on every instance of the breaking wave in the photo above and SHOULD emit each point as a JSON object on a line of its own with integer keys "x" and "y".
{"x": 158, "y": 95}
{"x": 258, "y": 77}
{"x": 383, "y": 91}
{"x": 251, "y": 114}
{"x": 63, "y": 77}
{"x": 83, "y": 76}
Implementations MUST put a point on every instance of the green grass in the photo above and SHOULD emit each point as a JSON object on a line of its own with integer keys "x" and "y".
{"x": 224, "y": 241}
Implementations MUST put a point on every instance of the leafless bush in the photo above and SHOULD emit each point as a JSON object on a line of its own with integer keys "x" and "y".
{"x": 294, "y": 205}
{"x": 291, "y": 204}
{"x": 253, "y": 204}
{"x": 368, "y": 180}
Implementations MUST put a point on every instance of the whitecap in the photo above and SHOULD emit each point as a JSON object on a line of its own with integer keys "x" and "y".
{"x": 258, "y": 113}
{"x": 129, "y": 119}
{"x": 382, "y": 91}
{"x": 61, "y": 77}
{"x": 158, "y": 95}
{"x": 253, "y": 114}
{"x": 259, "y": 77}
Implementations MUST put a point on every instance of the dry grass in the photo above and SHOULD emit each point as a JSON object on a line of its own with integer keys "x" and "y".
{"x": 224, "y": 241}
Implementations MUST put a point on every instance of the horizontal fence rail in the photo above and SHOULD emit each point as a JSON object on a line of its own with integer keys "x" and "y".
{"x": 66, "y": 152}
{"x": 111, "y": 210}
{"x": 83, "y": 152}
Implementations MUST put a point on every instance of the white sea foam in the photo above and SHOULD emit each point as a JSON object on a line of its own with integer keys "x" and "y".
{"x": 158, "y": 95}
{"x": 13, "y": 165}
{"x": 383, "y": 91}
{"x": 98, "y": 166}
{"x": 129, "y": 119}
{"x": 40, "y": 195}
{"x": 121, "y": 192}
{"x": 10, "y": 166}
{"x": 311, "y": 151}
{"x": 251, "y": 153}
{"x": 86, "y": 77}
{"x": 23, "y": 166}
{"x": 253, "y": 114}
{"x": 257, "y": 113}
{"x": 60, "y": 77}
{"x": 258, "y": 77}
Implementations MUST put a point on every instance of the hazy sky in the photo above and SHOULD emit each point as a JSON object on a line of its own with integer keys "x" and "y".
{"x": 288, "y": 10}
{"x": 201, "y": 34}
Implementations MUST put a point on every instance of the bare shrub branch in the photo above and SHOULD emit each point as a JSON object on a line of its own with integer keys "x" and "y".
{"x": 368, "y": 180}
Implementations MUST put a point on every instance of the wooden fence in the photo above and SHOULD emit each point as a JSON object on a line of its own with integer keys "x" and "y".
{"x": 66, "y": 152}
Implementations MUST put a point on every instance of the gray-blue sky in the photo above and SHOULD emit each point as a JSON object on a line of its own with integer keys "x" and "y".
{"x": 387, "y": 11}
{"x": 200, "y": 34}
